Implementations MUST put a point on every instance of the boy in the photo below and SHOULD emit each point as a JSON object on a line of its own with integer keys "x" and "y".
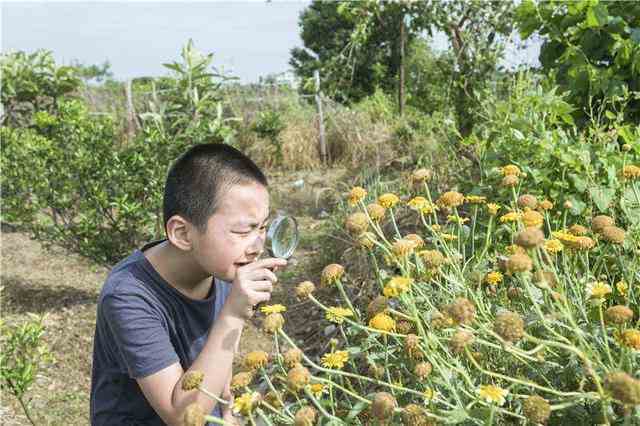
{"x": 180, "y": 304}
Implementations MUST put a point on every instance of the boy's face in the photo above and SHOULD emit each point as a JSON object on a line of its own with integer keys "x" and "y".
{"x": 236, "y": 232}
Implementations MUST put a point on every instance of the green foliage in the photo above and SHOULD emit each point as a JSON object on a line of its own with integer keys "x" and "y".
{"x": 97, "y": 73}
{"x": 269, "y": 125}
{"x": 22, "y": 356}
{"x": 532, "y": 129}
{"x": 32, "y": 82}
{"x": 74, "y": 188}
{"x": 354, "y": 59}
{"x": 190, "y": 109}
{"x": 428, "y": 77}
{"x": 591, "y": 47}
{"x": 67, "y": 180}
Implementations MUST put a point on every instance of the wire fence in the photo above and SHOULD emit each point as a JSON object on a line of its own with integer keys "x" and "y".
{"x": 129, "y": 107}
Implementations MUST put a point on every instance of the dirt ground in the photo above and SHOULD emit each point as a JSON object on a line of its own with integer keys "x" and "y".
{"x": 64, "y": 286}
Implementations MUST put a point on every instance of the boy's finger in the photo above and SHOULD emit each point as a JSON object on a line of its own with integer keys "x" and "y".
{"x": 269, "y": 262}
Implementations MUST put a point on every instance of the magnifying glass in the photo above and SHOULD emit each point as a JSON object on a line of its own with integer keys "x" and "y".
{"x": 282, "y": 236}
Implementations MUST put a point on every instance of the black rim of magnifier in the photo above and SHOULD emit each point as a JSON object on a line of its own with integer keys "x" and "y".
{"x": 272, "y": 231}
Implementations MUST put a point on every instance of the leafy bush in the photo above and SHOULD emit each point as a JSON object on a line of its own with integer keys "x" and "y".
{"x": 533, "y": 128}
{"x": 22, "y": 356}
{"x": 74, "y": 188}
{"x": 269, "y": 125}
{"x": 32, "y": 82}
{"x": 592, "y": 48}
{"x": 67, "y": 179}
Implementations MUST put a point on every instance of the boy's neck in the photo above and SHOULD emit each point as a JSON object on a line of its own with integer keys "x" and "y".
{"x": 178, "y": 270}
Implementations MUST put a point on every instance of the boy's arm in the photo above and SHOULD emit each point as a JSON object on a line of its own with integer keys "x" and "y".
{"x": 163, "y": 389}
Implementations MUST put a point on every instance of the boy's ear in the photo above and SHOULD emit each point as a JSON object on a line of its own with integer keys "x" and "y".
{"x": 178, "y": 232}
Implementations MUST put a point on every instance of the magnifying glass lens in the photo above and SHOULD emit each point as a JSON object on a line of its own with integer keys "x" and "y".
{"x": 282, "y": 236}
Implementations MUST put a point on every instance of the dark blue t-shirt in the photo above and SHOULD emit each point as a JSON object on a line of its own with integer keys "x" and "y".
{"x": 143, "y": 325}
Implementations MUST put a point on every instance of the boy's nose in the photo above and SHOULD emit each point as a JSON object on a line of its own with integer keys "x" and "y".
{"x": 256, "y": 246}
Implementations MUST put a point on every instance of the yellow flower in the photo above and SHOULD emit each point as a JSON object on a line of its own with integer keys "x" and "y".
{"x": 245, "y": 403}
{"x": 598, "y": 290}
{"x": 256, "y": 359}
{"x": 457, "y": 219}
{"x": 357, "y": 223}
{"x": 511, "y": 170}
{"x": 553, "y": 246}
{"x": 388, "y": 200}
{"x": 421, "y": 175}
{"x": 273, "y": 309}
{"x": 510, "y": 217}
{"x": 376, "y": 212}
{"x": 273, "y": 322}
{"x": 429, "y": 394}
{"x": 338, "y": 314}
{"x": 356, "y": 195}
{"x": 532, "y": 218}
{"x": 493, "y": 394}
{"x": 317, "y": 389}
{"x": 622, "y": 288}
{"x": 403, "y": 247}
{"x": 545, "y": 205}
{"x": 421, "y": 204}
{"x": 450, "y": 199}
{"x": 448, "y": 237}
{"x": 335, "y": 359}
{"x": 493, "y": 278}
{"x": 631, "y": 172}
{"x": 382, "y": 322}
{"x": 331, "y": 273}
{"x": 475, "y": 199}
{"x": 630, "y": 338}
{"x": 493, "y": 208}
{"x": 397, "y": 285}
{"x": 416, "y": 239}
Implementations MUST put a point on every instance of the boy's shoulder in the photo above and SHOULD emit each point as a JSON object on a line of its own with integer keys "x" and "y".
{"x": 125, "y": 276}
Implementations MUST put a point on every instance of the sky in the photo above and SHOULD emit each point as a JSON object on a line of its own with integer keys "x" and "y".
{"x": 249, "y": 39}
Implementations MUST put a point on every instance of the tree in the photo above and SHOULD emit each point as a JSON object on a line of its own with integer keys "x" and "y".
{"x": 592, "y": 49}
{"x": 476, "y": 31}
{"x": 351, "y": 66}
{"x": 98, "y": 73}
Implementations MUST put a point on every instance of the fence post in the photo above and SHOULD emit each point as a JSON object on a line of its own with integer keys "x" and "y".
{"x": 131, "y": 118}
{"x": 323, "y": 146}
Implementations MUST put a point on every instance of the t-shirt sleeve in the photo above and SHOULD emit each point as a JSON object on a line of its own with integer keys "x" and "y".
{"x": 140, "y": 334}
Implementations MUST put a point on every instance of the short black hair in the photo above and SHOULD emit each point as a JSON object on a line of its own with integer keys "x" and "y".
{"x": 200, "y": 176}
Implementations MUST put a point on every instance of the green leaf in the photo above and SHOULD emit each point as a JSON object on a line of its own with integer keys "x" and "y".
{"x": 630, "y": 205}
{"x": 577, "y": 205}
{"x": 457, "y": 416}
{"x": 602, "y": 197}
{"x": 578, "y": 182}
{"x": 610, "y": 115}
{"x": 597, "y": 16}
{"x": 353, "y": 413}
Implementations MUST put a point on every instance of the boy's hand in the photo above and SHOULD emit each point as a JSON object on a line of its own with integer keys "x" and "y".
{"x": 253, "y": 284}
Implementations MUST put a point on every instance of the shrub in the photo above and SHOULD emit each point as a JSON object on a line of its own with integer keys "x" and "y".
{"x": 22, "y": 356}
{"x": 32, "y": 82}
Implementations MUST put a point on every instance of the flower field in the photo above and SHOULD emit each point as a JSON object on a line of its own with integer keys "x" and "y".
{"x": 491, "y": 311}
